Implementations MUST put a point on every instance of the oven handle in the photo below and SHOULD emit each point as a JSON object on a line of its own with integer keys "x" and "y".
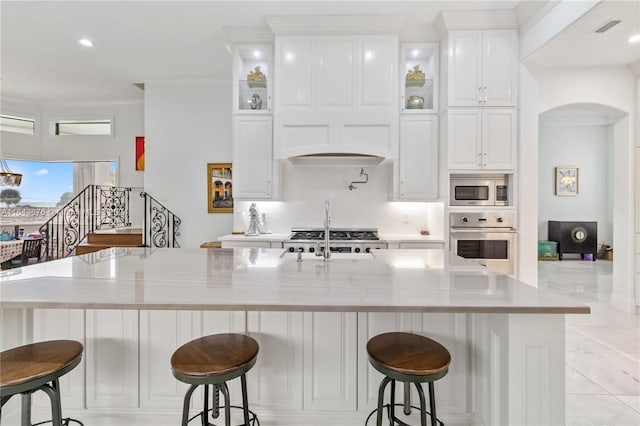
{"x": 485, "y": 230}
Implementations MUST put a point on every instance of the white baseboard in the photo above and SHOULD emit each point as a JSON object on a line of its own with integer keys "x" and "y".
{"x": 624, "y": 304}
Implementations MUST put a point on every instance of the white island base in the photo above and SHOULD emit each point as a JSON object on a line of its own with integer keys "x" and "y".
{"x": 507, "y": 368}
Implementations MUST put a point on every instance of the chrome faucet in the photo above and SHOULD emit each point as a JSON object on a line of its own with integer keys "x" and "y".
{"x": 326, "y": 253}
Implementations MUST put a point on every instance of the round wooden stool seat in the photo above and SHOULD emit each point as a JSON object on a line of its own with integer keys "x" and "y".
{"x": 37, "y": 367}
{"x": 408, "y": 357}
{"x": 36, "y": 362}
{"x": 212, "y": 361}
{"x": 219, "y": 356}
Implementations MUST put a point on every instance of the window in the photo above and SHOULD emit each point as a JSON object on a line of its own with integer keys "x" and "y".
{"x": 25, "y": 126}
{"x": 83, "y": 127}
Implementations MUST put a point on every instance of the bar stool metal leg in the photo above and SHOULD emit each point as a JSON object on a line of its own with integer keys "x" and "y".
{"x": 423, "y": 406}
{"x": 227, "y": 404}
{"x": 205, "y": 413}
{"x": 25, "y": 416}
{"x": 392, "y": 404}
{"x": 432, "y": 403}
{"x": 185, "y": 406}
{"x": 407, "y": 398}
{"x": 383, "y": 385}
{"x": 245, "y": 402}
{"x": 56, "y": 411}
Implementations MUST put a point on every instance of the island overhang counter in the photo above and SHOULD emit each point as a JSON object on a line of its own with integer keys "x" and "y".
{"x": 132, "y": 307}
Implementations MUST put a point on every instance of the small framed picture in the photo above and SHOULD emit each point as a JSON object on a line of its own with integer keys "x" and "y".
{"x": 220, "y": 187}
{"x": 566, "y": 180}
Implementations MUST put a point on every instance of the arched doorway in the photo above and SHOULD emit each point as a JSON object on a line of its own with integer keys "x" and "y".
{"x": 595, "y": 139}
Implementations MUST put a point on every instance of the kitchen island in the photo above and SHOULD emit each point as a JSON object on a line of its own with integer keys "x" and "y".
{"x": 133, "y": 307}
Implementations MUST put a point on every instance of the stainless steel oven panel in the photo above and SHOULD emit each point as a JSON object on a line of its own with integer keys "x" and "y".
{"x": 505, "y": 266}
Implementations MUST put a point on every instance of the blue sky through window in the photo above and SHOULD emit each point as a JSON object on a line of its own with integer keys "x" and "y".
{"x": 42, "y": 182}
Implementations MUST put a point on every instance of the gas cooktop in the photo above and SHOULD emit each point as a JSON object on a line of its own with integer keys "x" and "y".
{"x": 335, "y": 234}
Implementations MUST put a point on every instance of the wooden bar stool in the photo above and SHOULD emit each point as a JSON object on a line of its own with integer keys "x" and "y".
{"x": 409, "y": 358}
{"x": 37, "y": 366}
{"x": 213, "y": 361}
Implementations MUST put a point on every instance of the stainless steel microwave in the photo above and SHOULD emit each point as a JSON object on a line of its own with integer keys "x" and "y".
{"x": 478, "y": 191}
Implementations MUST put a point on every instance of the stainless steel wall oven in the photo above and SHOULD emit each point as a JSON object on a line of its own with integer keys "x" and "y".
{"x": 489, "y": 237}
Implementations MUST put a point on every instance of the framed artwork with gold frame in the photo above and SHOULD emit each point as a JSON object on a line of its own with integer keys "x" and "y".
{"x": 219, "y": 188}
{"x": 566, "y": 180}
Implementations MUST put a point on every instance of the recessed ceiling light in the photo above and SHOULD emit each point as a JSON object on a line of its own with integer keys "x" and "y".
{"x": 415, "y": 53}
{"x": 635, "y": 39}
{"x": 257, "y": 54}
{"x": 85, "y": 42}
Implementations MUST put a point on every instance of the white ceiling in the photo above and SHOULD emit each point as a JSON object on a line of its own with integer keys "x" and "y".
{"x": 139, "y": 41}
{"x": 579, "y": 46}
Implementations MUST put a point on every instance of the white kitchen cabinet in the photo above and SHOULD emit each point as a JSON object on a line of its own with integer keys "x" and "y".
{"x": 336, "y": 94}
{"x": 276, "y": 380}
{"x": 253, "y": 174}
{"x": 111, "y": 355}
{"x": 330, "y": 361}
{"x": 252, "y": 73}
{"x": 482, "y": 68}
{"x": 66, "y": 324}
{"x": 251, "y": 243}
{"x": 161, "y": 333}
{"x": 418, "y": 165}
{"x": 418, "y": 77}
{"x": 482, "y": 139}
{"x": 421, "y": 245}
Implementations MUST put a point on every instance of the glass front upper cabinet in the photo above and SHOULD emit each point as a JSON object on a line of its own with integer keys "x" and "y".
{"x": 252, "y": 74}
{"x": 419, "y": 77}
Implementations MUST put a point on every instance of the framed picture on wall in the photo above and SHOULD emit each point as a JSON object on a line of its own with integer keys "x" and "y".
{"x": 566, "y": 180}
{"x": 220, "y": 188}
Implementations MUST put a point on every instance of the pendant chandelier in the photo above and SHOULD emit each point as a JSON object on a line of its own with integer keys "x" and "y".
{"x": 7, "y": 177}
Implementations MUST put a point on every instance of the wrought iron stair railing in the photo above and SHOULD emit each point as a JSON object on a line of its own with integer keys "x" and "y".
{"x": 99, "y": 207}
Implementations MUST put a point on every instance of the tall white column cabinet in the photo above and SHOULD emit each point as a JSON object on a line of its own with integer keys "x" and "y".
{"x": 254, "y": 174}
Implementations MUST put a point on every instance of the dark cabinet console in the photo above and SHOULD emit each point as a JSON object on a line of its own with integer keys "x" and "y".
{"x": 574, "y": 237}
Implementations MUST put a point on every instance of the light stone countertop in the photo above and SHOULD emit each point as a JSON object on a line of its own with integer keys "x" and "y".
{"x": 393, "y": 238}
{"x": 259, "y": 279}
{"x": 262, "y": 237}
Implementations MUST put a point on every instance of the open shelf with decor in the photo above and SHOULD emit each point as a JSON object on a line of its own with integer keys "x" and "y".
{"x": 252, "y": 72}
{"x": 418, "y": 77}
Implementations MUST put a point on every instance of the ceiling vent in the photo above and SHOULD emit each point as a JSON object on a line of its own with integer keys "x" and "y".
{"x": 607, "y": 26}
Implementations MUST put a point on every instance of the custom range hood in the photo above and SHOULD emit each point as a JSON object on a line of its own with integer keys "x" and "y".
{"x": 335, "y": 159}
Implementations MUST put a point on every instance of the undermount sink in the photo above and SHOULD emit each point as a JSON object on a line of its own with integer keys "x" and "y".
{"x": 334, "y": 256}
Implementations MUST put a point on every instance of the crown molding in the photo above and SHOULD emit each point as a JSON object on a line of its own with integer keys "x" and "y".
{"x": 530, "y": 12}
{"x": 337, "y": 24}
{"x": 420, "y": 33}
{"x": 479, "y": 20}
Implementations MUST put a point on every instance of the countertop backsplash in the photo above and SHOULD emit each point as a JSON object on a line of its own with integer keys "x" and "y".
{"x": 305, "y": 189}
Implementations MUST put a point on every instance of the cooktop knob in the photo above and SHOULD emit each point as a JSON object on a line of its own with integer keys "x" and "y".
{"x": 311, "y": 249}
{"x": 357, "y": 249}
{"x": 465, "y": 219}
{"x": 500, "y": 220}
{"x": 368, "y": 249}
{"x": 301, "y": 249}
{"x": 291, "y": 249}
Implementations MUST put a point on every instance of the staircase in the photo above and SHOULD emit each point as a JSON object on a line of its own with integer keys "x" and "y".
{"x": 124, "y": 237}
{"x": 101, "y": 217}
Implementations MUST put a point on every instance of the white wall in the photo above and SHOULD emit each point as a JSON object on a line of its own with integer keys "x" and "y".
{"x": 188, "y": 124}
{"x": 305, "y": 190}
{"x": 129, "y": 123}
{"x": 588, "y": 148}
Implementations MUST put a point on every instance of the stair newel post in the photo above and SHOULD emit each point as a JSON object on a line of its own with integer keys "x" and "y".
{"x": 145, "y": 214}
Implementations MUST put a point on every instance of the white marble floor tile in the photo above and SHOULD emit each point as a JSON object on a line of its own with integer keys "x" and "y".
{"x": 579, "y": 342}
{"x": 576, "y": 383}
{"x": 632, "y": 401}
{"x": 616, "y": 373}
{"x": 623, "y": 339}
{"x": 599, "y": 410}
